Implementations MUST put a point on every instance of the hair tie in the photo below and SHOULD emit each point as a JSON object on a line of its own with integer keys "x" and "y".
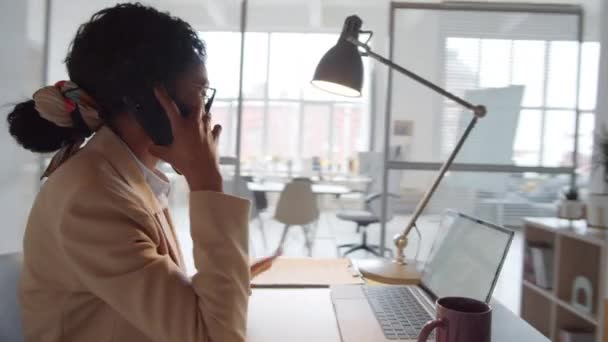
{"x": 67, "y": 105}
{"x": 57, "y": 103}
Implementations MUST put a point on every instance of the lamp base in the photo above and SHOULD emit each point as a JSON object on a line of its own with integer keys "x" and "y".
{"x": 388, "y": 272}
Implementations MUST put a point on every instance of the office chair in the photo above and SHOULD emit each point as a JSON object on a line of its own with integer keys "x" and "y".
{"x": 10, "y": 314}
{"x": 297, "y": 206}
{"x": 363, "y": 219}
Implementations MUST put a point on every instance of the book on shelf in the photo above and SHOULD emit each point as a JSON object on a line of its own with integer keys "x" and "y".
{"x": 576, "y": 336}
{"x": 528, "y": 267}
{"x": 538, "y": 265}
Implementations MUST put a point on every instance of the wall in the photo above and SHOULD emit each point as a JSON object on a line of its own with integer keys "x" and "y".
{"x": 20, "y": 65}
{"x": 417, "y": 47}
{"x": 600, "y": 120}
{"x": 602, "y": 97}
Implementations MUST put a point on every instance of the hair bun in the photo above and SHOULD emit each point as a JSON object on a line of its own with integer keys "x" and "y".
{"x": 36, "y": 134}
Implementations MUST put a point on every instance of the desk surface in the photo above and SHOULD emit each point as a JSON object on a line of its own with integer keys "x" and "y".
{"x": 303, "y": 315}
{"x": 321, "y": 189}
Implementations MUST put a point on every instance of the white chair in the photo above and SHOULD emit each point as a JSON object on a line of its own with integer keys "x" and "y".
{"x": 240, "y": 189}
{"x": 297, "y": 206}
{"x": 10, "y": 314}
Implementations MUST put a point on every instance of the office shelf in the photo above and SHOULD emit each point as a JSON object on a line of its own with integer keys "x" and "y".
{"x": 538, "y": 310}
{"x": 543, "y": 292}
{"x": 583, "y": 315}
{"x": 577, "y": 251}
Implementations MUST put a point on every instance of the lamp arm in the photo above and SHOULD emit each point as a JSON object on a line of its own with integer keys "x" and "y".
{"x": 401, "y": 239}
{"x": 479, "y": 111}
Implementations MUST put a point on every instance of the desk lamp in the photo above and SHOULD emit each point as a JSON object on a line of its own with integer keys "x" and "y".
{"x": 340, "y": 72}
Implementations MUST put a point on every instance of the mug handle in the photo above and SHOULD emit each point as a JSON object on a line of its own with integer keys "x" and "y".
{"x": 428, "y": 328}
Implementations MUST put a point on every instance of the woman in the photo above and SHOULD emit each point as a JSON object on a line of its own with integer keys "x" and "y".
{"x": 101, "y": 258}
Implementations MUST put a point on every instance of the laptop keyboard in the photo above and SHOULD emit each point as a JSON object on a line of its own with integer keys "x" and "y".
{"x": 400, "y": 315}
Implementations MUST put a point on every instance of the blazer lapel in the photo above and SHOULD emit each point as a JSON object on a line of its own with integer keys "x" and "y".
{"x": 167, "y": 233}
{"x": 168, "y": 223}
{"x": 115, "y": 151}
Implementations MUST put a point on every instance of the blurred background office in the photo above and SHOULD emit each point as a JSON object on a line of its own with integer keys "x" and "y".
{"x": 538, "y": 82}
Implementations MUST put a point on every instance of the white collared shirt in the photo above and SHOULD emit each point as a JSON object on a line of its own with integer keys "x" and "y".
{"x": 156, "y": 179}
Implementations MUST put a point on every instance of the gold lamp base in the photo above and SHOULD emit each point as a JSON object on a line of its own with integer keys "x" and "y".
{"x": 386, "y": 271}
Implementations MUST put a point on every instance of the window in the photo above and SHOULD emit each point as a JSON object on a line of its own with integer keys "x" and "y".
{"x": 316, "y": 131}
{"x": 253, "y": 129}
{"x": 527, "y": 146}
{"x": 545, "y": 131}
{"x": 223, "y": 60}
{"x": 282, "y": 124}
{"x": 285, "y": 119}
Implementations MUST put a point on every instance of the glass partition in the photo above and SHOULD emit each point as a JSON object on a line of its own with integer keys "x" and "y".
{"x": 22, "y": 25}
{"x": 509, "y": 58}
{"x": 476, "y": 49}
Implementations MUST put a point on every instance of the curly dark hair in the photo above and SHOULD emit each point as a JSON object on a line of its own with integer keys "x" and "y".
{"x": 119, "y": 52}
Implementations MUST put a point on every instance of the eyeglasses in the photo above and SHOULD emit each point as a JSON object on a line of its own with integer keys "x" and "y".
{"x": 208, "y": 101}
{"x": 208, "y": 98}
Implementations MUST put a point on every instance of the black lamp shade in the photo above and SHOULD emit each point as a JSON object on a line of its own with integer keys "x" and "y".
{"x": 340, "y": 71}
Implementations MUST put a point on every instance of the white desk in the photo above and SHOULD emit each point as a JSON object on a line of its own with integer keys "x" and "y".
{"x": 305, "y": 315}
{"x": 295, "y": 315}
{"x": 319, "y": 189}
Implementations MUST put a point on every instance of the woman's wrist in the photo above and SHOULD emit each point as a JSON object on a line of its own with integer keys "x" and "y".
{"x": 205, "y": 181}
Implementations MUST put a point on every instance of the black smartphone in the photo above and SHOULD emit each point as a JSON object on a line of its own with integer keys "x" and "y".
{"x": 152, "y": 117}
{"x": 209, "y": 99}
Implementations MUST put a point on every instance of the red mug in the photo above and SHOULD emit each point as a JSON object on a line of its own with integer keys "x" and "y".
{"x": 460, "y": 320}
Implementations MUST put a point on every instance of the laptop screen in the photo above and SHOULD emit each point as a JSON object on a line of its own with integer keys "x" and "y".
{"x": 466, "y": 257}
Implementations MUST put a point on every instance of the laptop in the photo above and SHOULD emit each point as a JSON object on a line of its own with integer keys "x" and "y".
{"x": 465, "y": 261}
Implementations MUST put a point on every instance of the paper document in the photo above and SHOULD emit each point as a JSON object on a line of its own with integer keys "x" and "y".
{"x": 308, "y": 272}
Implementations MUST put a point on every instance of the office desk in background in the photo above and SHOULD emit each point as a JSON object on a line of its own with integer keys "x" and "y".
{"x": 305, "y": 315}
{"x": 319, "y": 189}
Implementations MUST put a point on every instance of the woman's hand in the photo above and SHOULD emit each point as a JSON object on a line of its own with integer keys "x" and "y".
{"x": 264, "y": 264}
{"x": 193, "y": 151}
{"x": 261, "y": 266}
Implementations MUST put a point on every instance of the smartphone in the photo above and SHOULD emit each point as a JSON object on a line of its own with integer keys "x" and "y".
{"x": 152, "y": 117}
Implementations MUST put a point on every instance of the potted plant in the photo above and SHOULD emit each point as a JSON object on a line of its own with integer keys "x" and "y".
{"x": 597, "y": 203}
{"x": 570, "y": 206}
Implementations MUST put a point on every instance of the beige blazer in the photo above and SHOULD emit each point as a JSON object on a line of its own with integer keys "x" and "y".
{"x": 102, "y": 262}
